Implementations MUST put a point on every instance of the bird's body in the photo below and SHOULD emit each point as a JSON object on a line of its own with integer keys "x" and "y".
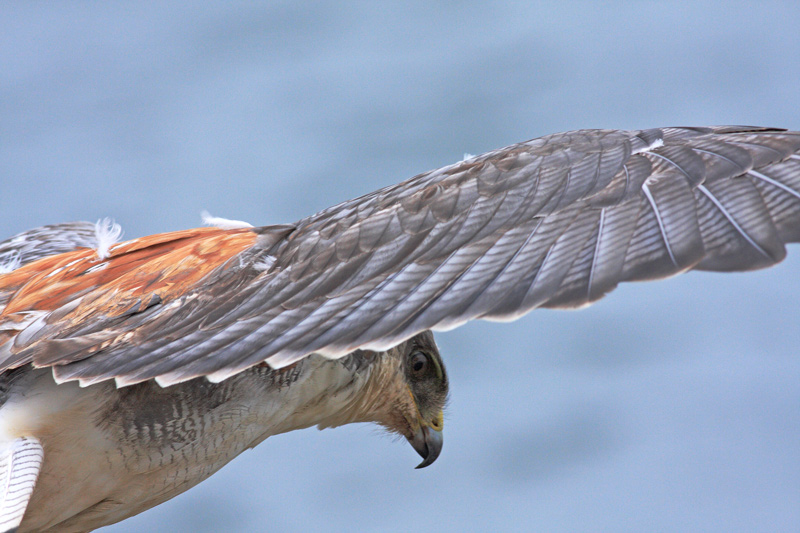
{"x": 113, "y": 453}
{"x": 116, "y": 452}
{"x": 132, "y": 371}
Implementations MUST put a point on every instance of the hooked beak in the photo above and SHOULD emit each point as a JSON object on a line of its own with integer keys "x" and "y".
{"x": 428, "y": 443}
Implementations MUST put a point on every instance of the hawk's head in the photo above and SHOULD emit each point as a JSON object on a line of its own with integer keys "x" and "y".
{"x": 405, "y": 392}
{"x": 426, "y": 381}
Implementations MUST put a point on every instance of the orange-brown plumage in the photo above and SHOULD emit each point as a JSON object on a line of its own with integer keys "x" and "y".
{"x": 165, "y": 266}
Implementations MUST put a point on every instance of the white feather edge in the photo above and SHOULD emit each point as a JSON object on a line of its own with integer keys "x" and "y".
{"x": 658, "y": 143}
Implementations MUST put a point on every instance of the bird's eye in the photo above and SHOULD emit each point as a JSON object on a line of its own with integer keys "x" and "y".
{"x": 419, "y": 362}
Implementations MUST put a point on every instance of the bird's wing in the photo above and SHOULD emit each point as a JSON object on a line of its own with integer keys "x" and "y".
{"x": 558, "y": 221}
{"x": 34, "y": 244}
{"x": 20, "y": 463}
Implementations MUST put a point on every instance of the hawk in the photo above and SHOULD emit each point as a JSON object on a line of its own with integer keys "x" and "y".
{"x": 132, "y": 371}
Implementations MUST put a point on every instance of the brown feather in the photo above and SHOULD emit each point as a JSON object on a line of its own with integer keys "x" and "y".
{"x": 165, "y": 266}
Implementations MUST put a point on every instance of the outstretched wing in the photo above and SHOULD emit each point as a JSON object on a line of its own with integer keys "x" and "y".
{"x": 558, "y": 221}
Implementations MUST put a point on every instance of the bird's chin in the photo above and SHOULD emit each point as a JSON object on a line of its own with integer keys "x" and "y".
{"x": 428, "y": 443}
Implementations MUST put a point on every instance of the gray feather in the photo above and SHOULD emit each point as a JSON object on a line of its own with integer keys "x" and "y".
{"x": 45, "y": 241}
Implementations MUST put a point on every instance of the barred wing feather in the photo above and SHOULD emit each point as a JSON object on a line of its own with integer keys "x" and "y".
{"x": 554, "y": 222}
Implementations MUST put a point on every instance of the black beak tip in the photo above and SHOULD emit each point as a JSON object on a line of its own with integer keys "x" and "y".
{"x": 428, "y": 444}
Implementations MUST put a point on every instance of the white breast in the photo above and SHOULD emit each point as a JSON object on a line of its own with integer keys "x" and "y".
{"x": 112, "y": 453}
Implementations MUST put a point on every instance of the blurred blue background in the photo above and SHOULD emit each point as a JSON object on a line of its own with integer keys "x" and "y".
{"x": 672, "y": 406}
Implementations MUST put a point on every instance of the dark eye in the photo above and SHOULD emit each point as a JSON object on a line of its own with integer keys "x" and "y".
{"x": 419, "y": 362}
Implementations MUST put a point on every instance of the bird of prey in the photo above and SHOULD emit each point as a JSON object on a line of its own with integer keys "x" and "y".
{"x": 133, "y": 370}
